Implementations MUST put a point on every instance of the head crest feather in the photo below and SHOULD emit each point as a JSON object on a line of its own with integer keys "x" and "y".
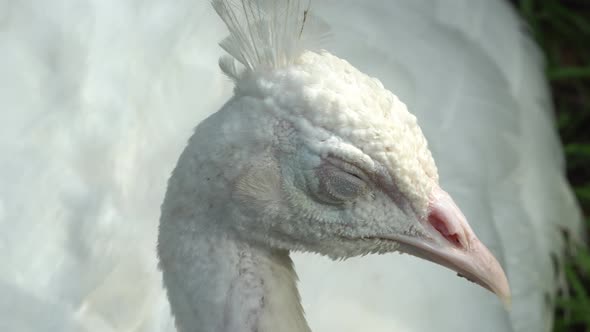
{"x": 266, "y": 33}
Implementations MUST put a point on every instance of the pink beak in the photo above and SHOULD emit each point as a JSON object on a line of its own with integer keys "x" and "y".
{"x": 452, "y": 243}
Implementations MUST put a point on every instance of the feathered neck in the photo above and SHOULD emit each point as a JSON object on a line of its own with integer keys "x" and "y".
{"x": 217, "y": 282}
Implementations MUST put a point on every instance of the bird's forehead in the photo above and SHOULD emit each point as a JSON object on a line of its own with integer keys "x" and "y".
{"x": 327, "y": 92}
{"x": 327, "y": 98}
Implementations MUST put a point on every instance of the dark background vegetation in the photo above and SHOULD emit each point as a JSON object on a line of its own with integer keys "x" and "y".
{"x": 562, "y": 29}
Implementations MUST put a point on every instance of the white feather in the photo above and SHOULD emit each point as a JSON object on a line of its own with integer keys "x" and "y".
{"x": 269, "y": 33}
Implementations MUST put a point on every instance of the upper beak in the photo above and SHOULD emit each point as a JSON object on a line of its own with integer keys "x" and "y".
{"x": 451, "y": 242}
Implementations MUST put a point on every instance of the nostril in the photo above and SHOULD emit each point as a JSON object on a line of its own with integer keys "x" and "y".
{"x": 454, "y": 238}
{"x": 441, "y": 226}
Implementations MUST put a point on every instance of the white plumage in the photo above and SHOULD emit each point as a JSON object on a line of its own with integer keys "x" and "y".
{"x": 99, "y": 98}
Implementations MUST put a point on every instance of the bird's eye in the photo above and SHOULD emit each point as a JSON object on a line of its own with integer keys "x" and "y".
{"x": 337, "y": 186}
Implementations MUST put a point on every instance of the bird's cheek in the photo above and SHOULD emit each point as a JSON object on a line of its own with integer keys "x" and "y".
{"x": 257, "y": 190}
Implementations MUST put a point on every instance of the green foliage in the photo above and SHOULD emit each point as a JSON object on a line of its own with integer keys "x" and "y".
{"x": 573, "y": 310}
{"x": 562, "y": 29}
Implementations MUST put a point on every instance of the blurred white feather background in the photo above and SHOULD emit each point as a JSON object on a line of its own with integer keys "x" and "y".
{"x": 98, "y": 98}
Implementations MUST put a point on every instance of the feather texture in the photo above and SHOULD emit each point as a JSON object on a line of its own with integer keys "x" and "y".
{"x": 268, "y": 34}
{"x": 100, "y": 97}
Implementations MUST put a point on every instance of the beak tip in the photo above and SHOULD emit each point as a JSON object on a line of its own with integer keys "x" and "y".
{"x": 494, "y": 278}
{"x": 505, "y": 295}
{"x": 498, "y": 281}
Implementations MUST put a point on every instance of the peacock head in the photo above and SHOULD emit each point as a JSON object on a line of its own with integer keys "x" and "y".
{"x": 320, "y": 157}
{"x": 346, "y": 171}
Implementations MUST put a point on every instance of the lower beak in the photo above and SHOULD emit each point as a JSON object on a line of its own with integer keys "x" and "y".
{"x": 450, "y": 242}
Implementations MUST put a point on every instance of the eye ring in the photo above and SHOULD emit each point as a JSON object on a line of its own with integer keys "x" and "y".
{"x": 337, "y": 186}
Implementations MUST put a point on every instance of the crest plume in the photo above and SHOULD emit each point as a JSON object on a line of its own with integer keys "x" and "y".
{"x": 266, "y": 33}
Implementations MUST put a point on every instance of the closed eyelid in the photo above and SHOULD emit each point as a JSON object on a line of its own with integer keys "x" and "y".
{"x": 337, "y": 186}
{"x": 379, "y": 178}
{"x": 348, "y": 167}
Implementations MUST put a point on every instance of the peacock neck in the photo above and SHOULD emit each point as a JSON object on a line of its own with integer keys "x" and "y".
{"x": 217, "y": 282}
